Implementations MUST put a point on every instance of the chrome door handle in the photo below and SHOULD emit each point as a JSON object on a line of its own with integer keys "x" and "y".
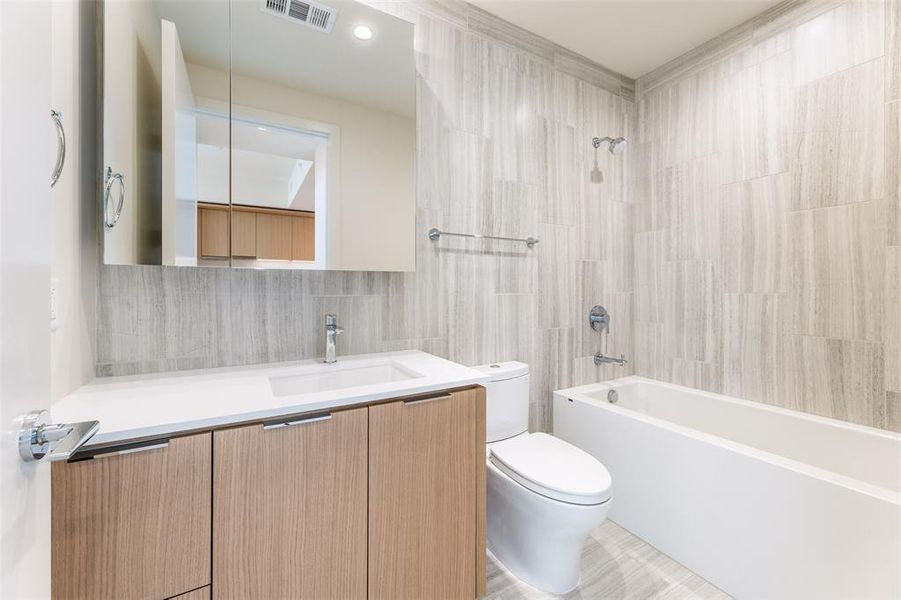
{"x": 39, "y": 438}
{"x": 60, "y": 146}
{"x": 414, "y": 401}
{"x": 301, "y": 421}
{"x": 110, "y": 218}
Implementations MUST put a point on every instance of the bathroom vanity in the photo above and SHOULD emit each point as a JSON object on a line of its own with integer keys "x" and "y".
{"x": 361, "y": 479}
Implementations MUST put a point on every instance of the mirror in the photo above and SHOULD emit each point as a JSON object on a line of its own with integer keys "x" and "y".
{"x": 258, "y": 134}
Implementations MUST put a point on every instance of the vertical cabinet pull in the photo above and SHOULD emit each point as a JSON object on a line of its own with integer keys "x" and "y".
{"x": 60, "y": 146}
{"x": 111, "y": 217}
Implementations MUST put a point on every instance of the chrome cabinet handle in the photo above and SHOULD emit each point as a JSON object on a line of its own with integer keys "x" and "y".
{"x": 39, "y": 438}
{"x": 301, "y": 421}
{"x": 60, "y": 146}
{"x": 424, "y": 400}
{"x": 106, "y": 453}
{"x": 110, "y": 218}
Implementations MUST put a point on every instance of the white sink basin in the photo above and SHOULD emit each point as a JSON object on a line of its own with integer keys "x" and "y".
{"x": 336, "y": 377}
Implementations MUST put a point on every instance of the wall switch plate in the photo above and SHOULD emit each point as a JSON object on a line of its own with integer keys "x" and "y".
{"x": 54, "y": 303}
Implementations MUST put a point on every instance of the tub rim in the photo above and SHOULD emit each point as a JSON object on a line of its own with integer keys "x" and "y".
{"x": 578, "y": 393}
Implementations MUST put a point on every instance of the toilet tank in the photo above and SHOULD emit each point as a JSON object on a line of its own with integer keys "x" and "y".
{"x": 507, "y": 399}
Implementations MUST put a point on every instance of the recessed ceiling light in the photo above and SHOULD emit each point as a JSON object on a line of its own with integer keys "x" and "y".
{"x": 261, "y": 128}
{"x": 362, "y": 32}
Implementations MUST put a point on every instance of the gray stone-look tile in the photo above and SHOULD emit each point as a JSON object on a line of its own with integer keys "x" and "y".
{"x": 891, "y": 332}
{"x": 755, "y": 235}
{"x": 838, "y": 139}
{"x": 615, "y": 564}
{"x": 837, "y": 263}
{"x": 838, "y": 378}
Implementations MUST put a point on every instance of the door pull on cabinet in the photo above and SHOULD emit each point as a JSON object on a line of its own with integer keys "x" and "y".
{"x": 301, "y": 421}
{"x": 414, "y": 401}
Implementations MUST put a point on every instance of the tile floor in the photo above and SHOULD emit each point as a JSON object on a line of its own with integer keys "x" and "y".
{"x": 616, "y": 565}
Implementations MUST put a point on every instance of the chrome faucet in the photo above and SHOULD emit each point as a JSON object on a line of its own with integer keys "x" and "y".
{"x": 331, "y": 331}
{"x": 599, "y": 319}
{"x": 600, "y": 359}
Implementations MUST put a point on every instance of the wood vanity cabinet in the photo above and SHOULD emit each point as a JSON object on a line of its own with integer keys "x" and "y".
{"x": 133, "y": 524}
{"x": 385, "y": 501}
{"x": 426, "y": 497}
{"x": 289, "y": 509}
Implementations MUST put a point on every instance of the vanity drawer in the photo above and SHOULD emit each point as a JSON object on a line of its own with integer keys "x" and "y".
{"x": 133, "y": 523}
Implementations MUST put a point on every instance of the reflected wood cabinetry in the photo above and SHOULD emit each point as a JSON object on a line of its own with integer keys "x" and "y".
{"x": 381, "y": 501}
{"x": 134, "y": 524}
{"x": 244, "y": 234}
{"x": 212, "y": 231}
{"x": 256, "y": 233}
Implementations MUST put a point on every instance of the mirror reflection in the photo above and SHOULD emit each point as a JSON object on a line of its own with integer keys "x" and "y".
{"x": 294, "y": 151}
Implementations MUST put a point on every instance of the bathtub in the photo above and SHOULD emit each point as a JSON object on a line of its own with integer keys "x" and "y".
{"x": 761, "y": 501}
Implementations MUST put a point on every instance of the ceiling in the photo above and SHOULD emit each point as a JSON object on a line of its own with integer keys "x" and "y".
{"x": 632, "y": 37}
{"x": 379, "y": 73}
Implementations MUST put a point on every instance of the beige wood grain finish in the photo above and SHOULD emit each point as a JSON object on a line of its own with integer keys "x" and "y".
{"x": 290, "y": 508}
{"x": 133, "y": 525}
{"x": 212, "y": 231}
{"x": 273, "y": 237}
{"x": 303, "y": 237}
{"x": 423, "y": 474}
{"x": 198, "y": 594}
{"x": 244, "y": 233}
{"x": 481, "y": 498}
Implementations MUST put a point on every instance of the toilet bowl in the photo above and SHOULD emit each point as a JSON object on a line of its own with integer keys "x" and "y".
{"x": 544, "y": 495}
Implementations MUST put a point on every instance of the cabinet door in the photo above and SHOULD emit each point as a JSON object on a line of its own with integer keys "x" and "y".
{"x": 303, "y": 237}
{"x": 198, "y": 594}
{"x": 134, "y": 524}
{"x": 289, "y": 509}
{"x": 212, "y": 237}
{"x": 273, "y": 236}
{"x": 244, "y": 233}
{"x": 425, "y": 535}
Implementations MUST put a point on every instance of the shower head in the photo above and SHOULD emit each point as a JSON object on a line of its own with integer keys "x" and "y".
{"x": 615, "y": 146}
{"x": 618, "y": 145}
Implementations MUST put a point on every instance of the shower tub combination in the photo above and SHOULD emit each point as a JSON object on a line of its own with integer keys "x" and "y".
{"x": 761, "y": 501}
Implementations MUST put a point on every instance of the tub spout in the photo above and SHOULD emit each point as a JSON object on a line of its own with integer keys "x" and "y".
{"x": 600, "y": 359}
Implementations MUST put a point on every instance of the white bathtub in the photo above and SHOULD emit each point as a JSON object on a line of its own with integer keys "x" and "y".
{"x": 761, "y": 501}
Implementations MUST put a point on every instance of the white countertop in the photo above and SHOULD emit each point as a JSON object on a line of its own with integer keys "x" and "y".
{"x": 161, "y": 404}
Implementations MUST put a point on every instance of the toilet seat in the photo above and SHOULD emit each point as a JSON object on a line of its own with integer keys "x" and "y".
{"x": 553, "y": 468}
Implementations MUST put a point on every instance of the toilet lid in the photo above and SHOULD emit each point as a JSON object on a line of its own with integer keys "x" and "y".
{"x": 553, "y": 468}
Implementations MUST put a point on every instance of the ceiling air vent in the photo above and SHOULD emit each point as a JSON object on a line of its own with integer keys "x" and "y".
{"x": 311, "y": 14}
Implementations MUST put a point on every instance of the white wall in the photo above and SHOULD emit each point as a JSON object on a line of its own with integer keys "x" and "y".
{"x": 376, "y": 206}
{"x": 132, "y": 128}
{"x": 74, "y": 218}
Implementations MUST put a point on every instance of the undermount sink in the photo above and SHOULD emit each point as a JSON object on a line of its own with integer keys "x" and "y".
{"x": 334, "y": 377}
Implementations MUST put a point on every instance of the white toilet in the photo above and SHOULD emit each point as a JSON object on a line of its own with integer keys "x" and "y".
{"x": 544, "y": 495}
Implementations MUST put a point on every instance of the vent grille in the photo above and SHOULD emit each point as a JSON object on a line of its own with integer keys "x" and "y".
{"x": 299, "y": 11}
{"x": 311, "y": 14}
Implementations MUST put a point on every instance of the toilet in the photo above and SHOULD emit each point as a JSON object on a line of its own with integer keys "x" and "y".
{"x": 544, "y": 495}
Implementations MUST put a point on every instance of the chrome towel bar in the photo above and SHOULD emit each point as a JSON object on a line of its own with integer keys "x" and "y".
{"x": 434, "y": 234}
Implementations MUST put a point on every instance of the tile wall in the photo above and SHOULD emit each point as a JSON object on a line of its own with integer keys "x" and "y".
{"x": 766, "y": 191}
